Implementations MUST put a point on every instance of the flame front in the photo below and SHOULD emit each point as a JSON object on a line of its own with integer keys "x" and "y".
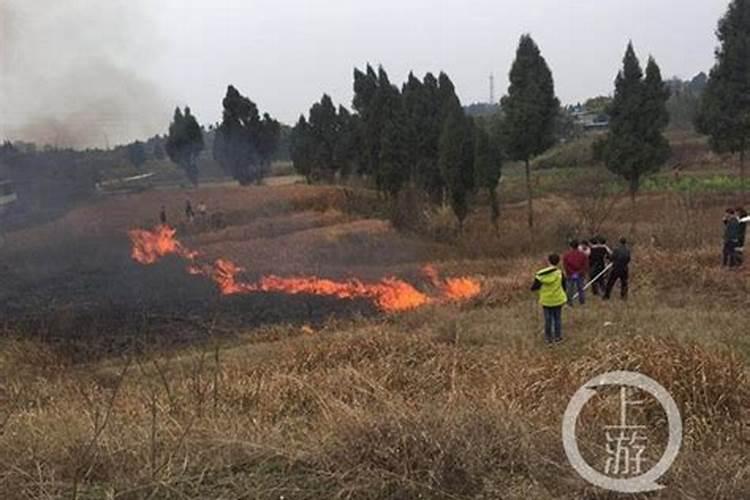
{"x": 150, "y": 246}
{"x": 389, "y": 294}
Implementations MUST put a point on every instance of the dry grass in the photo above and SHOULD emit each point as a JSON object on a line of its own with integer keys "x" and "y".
{"x": 444, "y": 402}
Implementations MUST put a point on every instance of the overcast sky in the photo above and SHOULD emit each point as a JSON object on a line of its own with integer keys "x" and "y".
{"x": 138, "y": 59}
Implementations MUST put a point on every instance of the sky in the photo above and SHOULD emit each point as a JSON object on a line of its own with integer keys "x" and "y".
{"x": 100, "y": 72}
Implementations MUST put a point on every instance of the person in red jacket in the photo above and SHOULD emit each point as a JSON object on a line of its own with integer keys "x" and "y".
{"x": 575, "y": 265}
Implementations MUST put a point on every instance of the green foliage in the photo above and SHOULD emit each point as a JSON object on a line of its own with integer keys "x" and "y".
{"x": 685, "y": 101}
{"x": 268, "y": 142}
{"x": 635, "y": 145}
{"x": 487, "y": 164}
{"x": 397, "y": 138}
{"x": 574, "y": 153}
{"x": 185, "y": 143}
{"x": 711, "y": 184}
{"x": 725, "y": 109}
{"x": 599, "y": 104}
{"x": 457, "y": 160}
{"x": 530, "y": 109}
{"x": 327, "y": 144}
{"x": 245, "y": 143}
{"x": 301, "y": 148}
{"x": 136, "y": 154}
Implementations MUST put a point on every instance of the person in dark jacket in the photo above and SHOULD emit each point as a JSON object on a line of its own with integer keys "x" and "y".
{"x": 743, "y": 220}
{"x": 163, "y": 216}
{"x": 550, "y": 283}
{"x": 732, "y": 234}
{"x": 575, "y": 265}
{"x": 620, "y": 259}
{"x": 597, "y": 263}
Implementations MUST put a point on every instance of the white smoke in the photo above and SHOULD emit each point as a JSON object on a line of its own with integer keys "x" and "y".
{"x": 69, "y": 72}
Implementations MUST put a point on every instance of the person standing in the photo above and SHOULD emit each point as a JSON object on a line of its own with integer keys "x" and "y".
{"x": 597, "y": 264}
{"x": 575, "y": 265}
{"x": 743, "y": 219}
{"x": 550, "y": 283}
{"x": 163, "y": 216}
{"x": 202, "y": 210}
{"x": 620, "y": 259}
{"x": 732, "y": 234}
{"x": 189, "y": 211}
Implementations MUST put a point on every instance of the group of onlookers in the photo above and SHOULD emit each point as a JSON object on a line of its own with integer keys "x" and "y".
{"x": 592, "y": 259}
{"x": 189, "y": 212}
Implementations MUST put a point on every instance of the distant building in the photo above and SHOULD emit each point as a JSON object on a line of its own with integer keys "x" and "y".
{"x": 589, "y": 120}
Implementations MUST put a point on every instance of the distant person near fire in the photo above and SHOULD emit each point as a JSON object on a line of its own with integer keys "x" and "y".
{"x": 575, "y": 265}
{"x": 550, "y": 283}
{"x": 189, "y": 214}
{"x": 620, "y": 259}
{"x": 163, "y": 216}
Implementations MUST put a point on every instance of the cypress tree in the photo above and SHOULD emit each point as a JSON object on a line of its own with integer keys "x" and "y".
{"x": 725, "y": 108}
{"x": 300, "y": 149}
{"x": 635, "y": 145}
{"x": 366, "y": 103}
{"x": 457, "y": 161}
{"x": 487, "y": 165}
{"x": 269, "y": 135}
{"x": 530, "y": 109}
{"x": 235, "y": 144}
{"x": 323, "y": 132}
{"x": 429, "y": 176}
{"x": 185, "y": 143}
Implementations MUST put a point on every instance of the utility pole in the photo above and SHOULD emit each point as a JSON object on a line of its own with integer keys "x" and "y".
{"x": 492, "y": 88}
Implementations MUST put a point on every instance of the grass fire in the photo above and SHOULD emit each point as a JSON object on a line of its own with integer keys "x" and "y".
{"x": 241, "y": 258}
{"x": 390, "y": 294}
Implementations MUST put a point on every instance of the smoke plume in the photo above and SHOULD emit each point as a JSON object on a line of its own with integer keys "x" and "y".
{"x": 69, "y": 72}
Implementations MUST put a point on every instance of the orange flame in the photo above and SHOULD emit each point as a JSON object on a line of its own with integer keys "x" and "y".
{"x": 389, "y": 294}
{"x": 150, "y": 246}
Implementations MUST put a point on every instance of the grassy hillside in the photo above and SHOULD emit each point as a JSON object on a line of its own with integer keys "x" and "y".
{"x": 120, "y": 381}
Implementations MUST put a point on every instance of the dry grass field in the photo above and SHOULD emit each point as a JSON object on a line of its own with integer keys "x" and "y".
{"x": 127, "y": 381}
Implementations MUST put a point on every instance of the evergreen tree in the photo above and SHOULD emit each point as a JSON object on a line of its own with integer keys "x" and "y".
{"x": 457, "y": 161}
{"x": 300, "y": 149}
{"x": 365, "y": 103}
{"x": 428, "y": 173}
{"x": 185, "y": 143}
{"x": 393, "y": 165}
{"x": 487, "y": 164}
{"x": 245, "y": 144}
{"x": 725, "y": 108}
{"x": 269, "y": 135}
{"x": 635, "y": 145}
{"x": 235, "y": 146}
{"x": 530, "y": 109}
{"x": 323, "y": 133}
{"x": 345, "y": 149}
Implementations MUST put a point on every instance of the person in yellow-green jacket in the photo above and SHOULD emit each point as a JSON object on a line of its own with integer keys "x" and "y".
{"x": 550, "y": 283}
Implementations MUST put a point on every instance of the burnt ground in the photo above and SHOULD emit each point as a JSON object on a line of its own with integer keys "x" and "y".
{"x": 71, "y": 282}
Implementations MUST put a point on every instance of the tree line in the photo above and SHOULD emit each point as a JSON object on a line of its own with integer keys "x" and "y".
{"x": 418, "y": 135}
{"x": 244, "y": 142}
